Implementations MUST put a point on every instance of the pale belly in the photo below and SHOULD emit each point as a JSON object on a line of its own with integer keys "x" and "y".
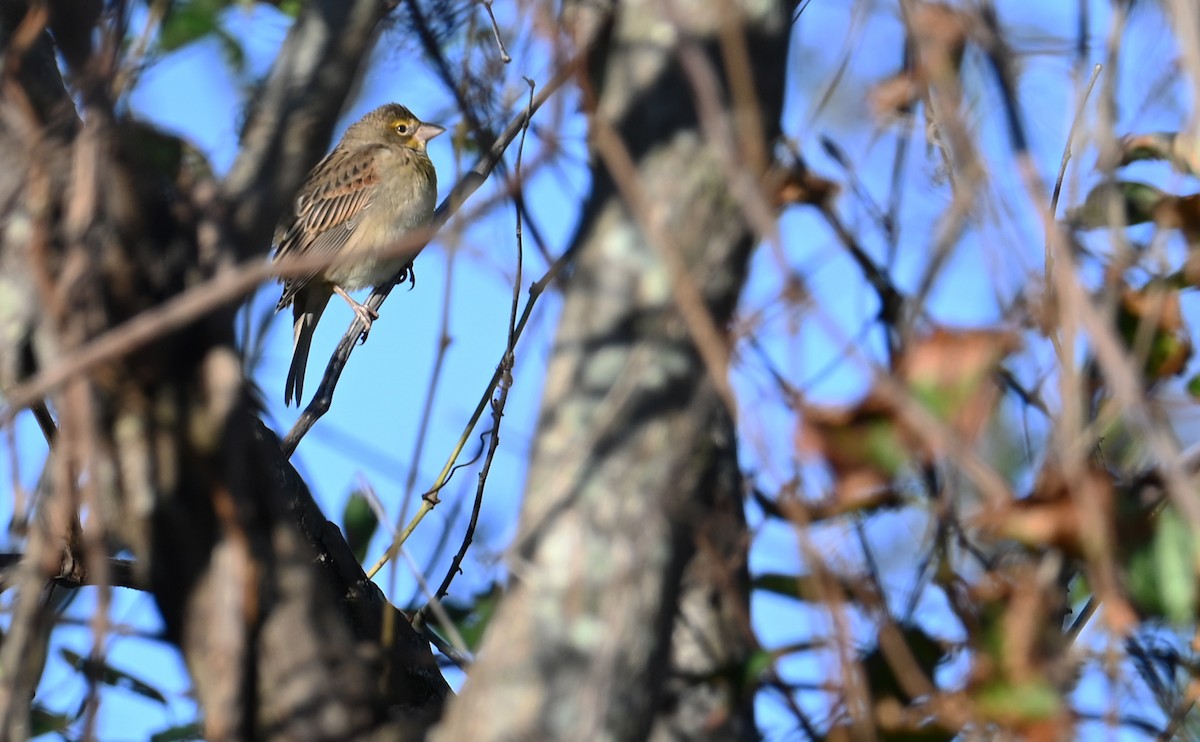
{"x": 377, "y": 251}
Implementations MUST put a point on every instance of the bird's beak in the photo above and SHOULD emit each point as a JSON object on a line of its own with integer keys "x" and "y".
{"x": 425, "y": 132}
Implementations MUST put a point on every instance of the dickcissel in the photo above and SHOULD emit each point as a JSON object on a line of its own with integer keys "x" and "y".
{"x": 371, "y": 193}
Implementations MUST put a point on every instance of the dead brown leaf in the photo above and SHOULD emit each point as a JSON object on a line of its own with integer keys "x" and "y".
{"x": 1154, "y": 313}
{"x": 895, "y": 96}
{"x": 952, "y": 373}
{"x": 863, "y": 445}
{"x": 796, "y": 184}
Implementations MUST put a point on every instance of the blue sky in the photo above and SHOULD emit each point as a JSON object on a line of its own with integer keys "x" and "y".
{"x": 370, "y": 434}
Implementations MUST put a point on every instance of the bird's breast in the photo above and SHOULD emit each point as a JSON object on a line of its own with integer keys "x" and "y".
{"x": 382, "y": 235}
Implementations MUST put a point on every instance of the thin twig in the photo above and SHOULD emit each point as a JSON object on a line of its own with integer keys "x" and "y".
{"x": 460, "y": 660}
{"x": 1066, "y": 158}
{"x": 1085, "y": 615}
{"x": 430, "y": 499}
{"x": 435, "y": 377}
{"x": 496, "y": 32}
{"x": 507, "y": 364}
{"x": 128, "y": 72}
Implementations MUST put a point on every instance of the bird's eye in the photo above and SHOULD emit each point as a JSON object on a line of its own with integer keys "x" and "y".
{"x": 401, "y": 128}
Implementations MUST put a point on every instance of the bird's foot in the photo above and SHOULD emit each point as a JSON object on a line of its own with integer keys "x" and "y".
{"x": 364, "y": 313}
{"x": 408, "y": 274}
{"x": 368, "y": 316}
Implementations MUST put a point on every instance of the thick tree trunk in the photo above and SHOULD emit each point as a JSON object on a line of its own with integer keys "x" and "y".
{"x": 627, "y": 615}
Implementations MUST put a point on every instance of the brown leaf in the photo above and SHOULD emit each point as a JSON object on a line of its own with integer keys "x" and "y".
{"x": 1182, "y": 213}
{"x": 1036, "y": 524}
{"x": 1191, "y": 268}
{"x": 863, "y": 445}
{"x": 951, "y": 372}
{"x": 894, "y": 96}
{"x": 1072, "y": 514}
{"x": 796, "y": 184}
{"x": 1155, "y": 309}
{"x": 1154, "y": 303}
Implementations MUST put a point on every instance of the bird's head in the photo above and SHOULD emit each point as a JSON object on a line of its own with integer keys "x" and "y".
{"x": 393, "y": 124}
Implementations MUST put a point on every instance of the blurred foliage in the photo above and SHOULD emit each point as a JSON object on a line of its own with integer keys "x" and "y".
{"x": 1081, "y": 515}
{"x": 180, "y": 733}
{"x": 471, "y": 619}
{"x": 187, "y": 22}
{"x": 101, "y": 672}
{"x": 43, "y": 722}
{"x": 359, "y": 523}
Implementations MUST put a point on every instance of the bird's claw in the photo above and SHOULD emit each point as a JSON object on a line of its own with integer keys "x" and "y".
{"x": 368, "y": 317}
{"x": 410, "y": 275}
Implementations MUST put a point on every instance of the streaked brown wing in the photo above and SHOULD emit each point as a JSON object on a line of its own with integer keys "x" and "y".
{"x": 336, "y": 192}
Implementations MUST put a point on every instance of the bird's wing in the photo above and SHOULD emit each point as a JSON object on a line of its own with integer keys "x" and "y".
{"x": 327, "y": 210}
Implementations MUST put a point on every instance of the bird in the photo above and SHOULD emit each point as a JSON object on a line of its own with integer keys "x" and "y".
{"x": 373, "y": 191}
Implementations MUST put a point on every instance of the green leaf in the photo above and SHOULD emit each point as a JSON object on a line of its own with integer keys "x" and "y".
{"x": 359, "y": 523}
{"x": 181, "y": 733}
{"x": 1137, "y": 201}
{"x": 1155, "y": 309}
{"x": 189, "y": 21}
{"x": 104, "y": 673}
{"x": 1193, "y": 386}
{"x": 789, "y": 586}
{"x": 1174, "y": 561}
{"x": 1012, "y": 703}
{"x": 473, "y": 630}
{"x": 928, "y": 733}
{"x": 291, "y": 8}
{"x": 882, "y": 681}
{"x": 1143, "y": 582}
{"x": 472, "y": 620}
{"x": 756, "y": 665}
{"x": 884, "y": 446}
{"x": 43, "y": 721}
{"x": 1178, "y": 149}
{"x": 1153, "y": 146}
{"x": 231, "y": 50}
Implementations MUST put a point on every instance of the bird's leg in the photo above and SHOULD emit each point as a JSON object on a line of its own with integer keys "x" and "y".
{"x": 365, "y": 313}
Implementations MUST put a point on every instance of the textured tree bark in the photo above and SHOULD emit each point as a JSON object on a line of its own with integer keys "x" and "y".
{"x": 634, "y": 481}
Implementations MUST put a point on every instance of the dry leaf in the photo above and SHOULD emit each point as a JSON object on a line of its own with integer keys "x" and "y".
{"x": 894, "y": 96}
{"x": 863, "y": 445}
{"x": 1052, "y": 515}
{"x": 952, "y": 373}
{"x": 1155, "y": 309}
{"x": 796, "y": 184}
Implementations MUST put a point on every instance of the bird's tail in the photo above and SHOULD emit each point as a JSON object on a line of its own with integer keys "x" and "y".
{"x": 306, "y": 311}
